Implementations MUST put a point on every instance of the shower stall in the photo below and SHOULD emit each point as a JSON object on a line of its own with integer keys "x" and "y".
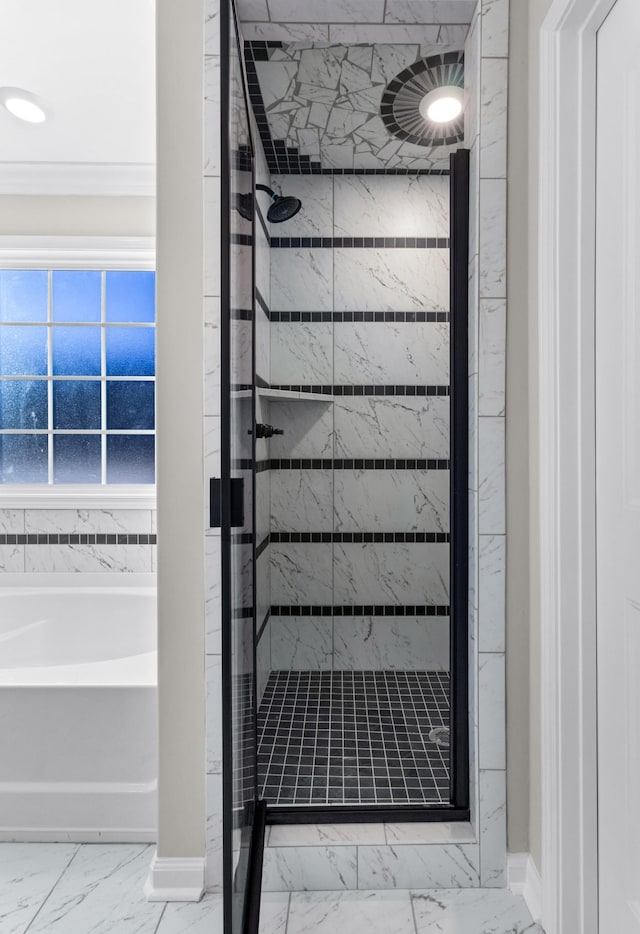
{"x": 343, "y": 492}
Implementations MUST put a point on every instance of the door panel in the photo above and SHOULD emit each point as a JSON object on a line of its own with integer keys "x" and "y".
{"x": 238, "y": 460}
{"x": 618, "y": 468}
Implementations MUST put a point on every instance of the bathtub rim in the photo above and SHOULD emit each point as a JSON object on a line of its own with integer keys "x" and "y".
{"x": 100, "y": 674}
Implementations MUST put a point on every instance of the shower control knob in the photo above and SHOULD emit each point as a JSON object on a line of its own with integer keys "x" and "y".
{"x": 267, "y": 431}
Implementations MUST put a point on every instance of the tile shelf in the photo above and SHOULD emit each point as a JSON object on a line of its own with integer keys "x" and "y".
{"x": 288, "y": 395}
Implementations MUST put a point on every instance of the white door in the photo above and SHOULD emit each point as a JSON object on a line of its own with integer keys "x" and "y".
{"x": 618, "y": 467}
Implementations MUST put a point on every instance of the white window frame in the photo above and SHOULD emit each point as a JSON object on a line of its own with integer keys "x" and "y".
{"x": 119, "y": 253}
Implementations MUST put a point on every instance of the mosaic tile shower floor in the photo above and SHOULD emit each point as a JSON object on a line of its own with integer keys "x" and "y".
{"x": 342, "y": 737}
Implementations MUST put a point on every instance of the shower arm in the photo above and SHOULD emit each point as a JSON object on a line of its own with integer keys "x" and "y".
{"x": 269, "y": 191}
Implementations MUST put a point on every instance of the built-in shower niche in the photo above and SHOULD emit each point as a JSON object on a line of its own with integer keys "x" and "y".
{"x": 355, "y": 652}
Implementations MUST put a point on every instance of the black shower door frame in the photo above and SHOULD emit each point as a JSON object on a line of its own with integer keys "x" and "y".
{"x": 224, "y": 500}
{"x": 458, "y": 807}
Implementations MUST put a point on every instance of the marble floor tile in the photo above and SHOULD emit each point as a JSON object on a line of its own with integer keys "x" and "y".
{"x": 101, "y": 892}
{"x": 471, "y": 911}
{"x": 28, "y": 872}
{"x": 204, "y": 917}
{"x": 350, "y": 913}
{"x": 274, "y": 912}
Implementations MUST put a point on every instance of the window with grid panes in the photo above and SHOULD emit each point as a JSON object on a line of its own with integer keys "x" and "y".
{"x": 77, "y": 376}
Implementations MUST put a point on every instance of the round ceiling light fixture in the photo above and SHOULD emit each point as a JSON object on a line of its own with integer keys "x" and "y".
{"x": 423, "y": 104}
{"x": 23, "y": 104}
{"x": 442, "y": 105}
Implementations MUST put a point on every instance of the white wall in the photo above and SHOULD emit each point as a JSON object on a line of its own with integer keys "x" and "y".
{"x": 537, "y": 12}
{"x": 517, "y": 442}
{"x": 179, "y": 430}
{"x": 35, "y": 215}
{"x": 523, "y": 612}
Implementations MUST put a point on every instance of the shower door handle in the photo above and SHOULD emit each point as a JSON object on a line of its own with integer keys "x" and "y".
{"x": 236, "y": 502}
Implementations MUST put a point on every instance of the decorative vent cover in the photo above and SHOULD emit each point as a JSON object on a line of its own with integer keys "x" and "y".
{"x": 400, "y": 104}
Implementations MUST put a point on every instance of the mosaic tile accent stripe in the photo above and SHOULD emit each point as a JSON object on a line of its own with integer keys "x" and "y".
{"x": 337, "y": 463}
{"x": 305, "y": 609}
{"x": 242, "y": 239}
{"x": 400, "y": 317}
{"x": 350, "y": 390}
{"x": 263, "y": 626}
{"x": 262, "y": 303}
{"x": 241, "y": 314}
{"x": 386, "y": 243}
{"x": 54, "y": 538}
{"x": 358, "y": 538}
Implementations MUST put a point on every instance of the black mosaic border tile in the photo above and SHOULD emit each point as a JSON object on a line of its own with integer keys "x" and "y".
{"x": 346, "y": 317}
{"x": 241, "y": 314}
{"x": 359, "y": 538}
{"x": 376, "y": 243}
{"x": 263, "y": 626}
{"x": 264, "y": 544}
{"x": 242, "y": 538}
{"x": 74, "y": 538}
{"x": 287, "y": 160}
{"x": 436, "y": 71}
{"x": 262, "y": 304}
{"x": 337, "y": 463}
{"x": 359, "y": 610}
{"x": 262, "y": 220}
{"x": 382, "y": 390}
{"x": 242, "y": 239}
{"x": 345, "y": 737}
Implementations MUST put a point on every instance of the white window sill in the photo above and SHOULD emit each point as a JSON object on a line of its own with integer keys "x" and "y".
{"x": 84, "y": 496}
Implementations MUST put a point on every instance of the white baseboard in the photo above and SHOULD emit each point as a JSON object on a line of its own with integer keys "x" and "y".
{"x": 175, "y": 879}
{"x": 524, "y": 880}
{"x": 77, "y": 835}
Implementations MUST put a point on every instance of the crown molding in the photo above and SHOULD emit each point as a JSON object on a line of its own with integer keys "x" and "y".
{"x": 36, "y": 252}
{"x": 78, "y": 178}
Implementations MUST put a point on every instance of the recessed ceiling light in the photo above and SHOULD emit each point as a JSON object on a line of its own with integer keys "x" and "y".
{"x": 23, "y": 104}
{"x": 442, "y": 105}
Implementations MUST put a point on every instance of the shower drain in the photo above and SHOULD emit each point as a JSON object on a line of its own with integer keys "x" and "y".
{"x": 439, "y": 735}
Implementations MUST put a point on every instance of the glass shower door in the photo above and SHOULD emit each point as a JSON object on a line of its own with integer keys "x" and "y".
{"x": 238, "y": 449}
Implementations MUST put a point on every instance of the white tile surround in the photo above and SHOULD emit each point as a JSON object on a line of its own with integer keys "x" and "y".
{"x": 114, "y": 556}
{"x": 347, "y": 353}
{"x": 396, "y": 863}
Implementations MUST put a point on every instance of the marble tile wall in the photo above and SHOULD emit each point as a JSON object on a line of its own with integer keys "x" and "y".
{"x": 77, "y": 540}
{"x": 487, "y": 48}
{"x": 397, "y": 356}
{"x": 479, "y": 859}
{"x": 263, "y": 365}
